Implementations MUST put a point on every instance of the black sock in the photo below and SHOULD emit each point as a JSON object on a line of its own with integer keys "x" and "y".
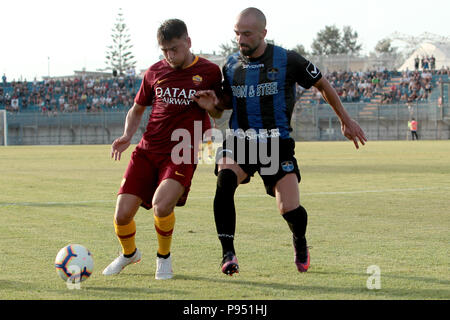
{"x": 297, "y": 220}
{"x": 130, "y": 255}
{"x": 165, "y": 256}
{"x": 224, "y": 210}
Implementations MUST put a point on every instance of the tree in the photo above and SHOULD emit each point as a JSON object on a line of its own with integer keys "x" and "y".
{"x": 327, "y": 41}
{"x": 228, "y": 48}
{"x": 388, "y": 55}
{"x": 300, "y": 49}
{"x": 119, "y": 56}
{"x": 331, "y": 41}
{"x": 350, "y": 41}
{"x": 385, "y": 46}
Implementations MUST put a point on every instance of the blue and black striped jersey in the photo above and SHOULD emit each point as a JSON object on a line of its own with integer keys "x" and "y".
{"x": 263, "y": 89}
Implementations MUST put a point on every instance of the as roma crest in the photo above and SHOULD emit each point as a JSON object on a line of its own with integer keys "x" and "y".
{"x": 197, "y": 80}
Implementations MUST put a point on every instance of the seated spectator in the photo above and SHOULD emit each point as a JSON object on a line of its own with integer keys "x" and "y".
{"x": 66, "y": 107}
{"x": 109, "y": 102}
{"x": 7, "y": 99}
{"x": 61, "y": 102}
{"x": 14, "y": 106}
{"x": 367, "y": 94}
{"x": 121, "y": 82}
{"x": 375, "y": 81}
{"x": 357, "y": 96}
{"x": 74, "y": 103}
{"x": 377, "y": 89}
{"x": 53, "y": 104}
{"x": 102, "y": 101}
{"x": 42, "y": 106}
{"x": 386, "y": 98}
{"x": 351, "y": 95}
{"x": 426, "y": 75}
{"x": 90, "y": 84}
{"x": 95, "y": 102}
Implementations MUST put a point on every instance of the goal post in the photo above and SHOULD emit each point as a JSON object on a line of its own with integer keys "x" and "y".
{"x": 3, "y": 128}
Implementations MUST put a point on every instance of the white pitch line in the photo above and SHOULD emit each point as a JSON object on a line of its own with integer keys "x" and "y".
{"x": 336, "y": 192}
{"x": 52, "y": 203}
{"x": 25, "y": 204}
{"x": 376, "y": 191}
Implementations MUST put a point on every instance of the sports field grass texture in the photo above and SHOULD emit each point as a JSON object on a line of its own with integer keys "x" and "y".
{"x": 385, "y": 205}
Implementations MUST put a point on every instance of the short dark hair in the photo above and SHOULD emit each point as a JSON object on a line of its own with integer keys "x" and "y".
{"x": 170, "y": 29}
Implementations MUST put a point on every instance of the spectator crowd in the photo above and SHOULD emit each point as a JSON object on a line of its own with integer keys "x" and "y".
{"x": 52, "y": 96}
{"x": 377, "y": 86}
{"x": 69, "y": 95}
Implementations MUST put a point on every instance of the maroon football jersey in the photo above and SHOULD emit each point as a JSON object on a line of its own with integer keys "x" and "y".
{"x": 169, "y": 92}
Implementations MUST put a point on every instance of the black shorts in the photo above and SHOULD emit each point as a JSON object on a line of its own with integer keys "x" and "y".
{"x": 270, "y": 163}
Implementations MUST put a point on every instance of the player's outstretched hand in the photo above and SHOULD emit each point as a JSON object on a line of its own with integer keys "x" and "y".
{"x": 206, "y": 99}
{"x": 118, "y": 146}
{"x": 352, "y": 131}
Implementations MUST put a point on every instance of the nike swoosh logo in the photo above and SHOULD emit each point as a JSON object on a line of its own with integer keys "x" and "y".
{"x": 179, "y": 174}
{"x": 161, "y": 81}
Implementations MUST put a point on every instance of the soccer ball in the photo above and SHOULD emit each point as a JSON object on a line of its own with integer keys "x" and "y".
{"x": 74, "y": 263}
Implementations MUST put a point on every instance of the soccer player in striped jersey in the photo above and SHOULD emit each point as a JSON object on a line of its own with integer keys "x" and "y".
{"x": 152, "y": 178}
{"x": 259, "y": 85}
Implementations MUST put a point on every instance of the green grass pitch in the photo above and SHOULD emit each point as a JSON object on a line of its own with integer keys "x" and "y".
{"x": 386, "y": 204}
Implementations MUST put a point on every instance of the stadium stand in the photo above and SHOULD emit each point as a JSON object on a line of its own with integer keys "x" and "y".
{"x": 370, "y": 88}
{"x": 373, "y": 88}
{"x": 377, "y": 87}
{"x": 72, "y": 95}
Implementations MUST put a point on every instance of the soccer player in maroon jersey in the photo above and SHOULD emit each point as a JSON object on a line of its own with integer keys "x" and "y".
{"x": 153, "y": 179}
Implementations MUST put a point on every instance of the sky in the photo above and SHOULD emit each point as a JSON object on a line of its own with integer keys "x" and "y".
{"x": 49, "y": 37}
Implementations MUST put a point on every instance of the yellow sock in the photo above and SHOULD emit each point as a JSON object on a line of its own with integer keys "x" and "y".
{"x": 164, "y": 229}
{"x": 126, "y": 235}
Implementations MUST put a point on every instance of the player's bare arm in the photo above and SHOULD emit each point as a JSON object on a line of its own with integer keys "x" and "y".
{"x": 208, "y": 100}
{"x": 132, "y": 122}
{"x": 350, "y": 128}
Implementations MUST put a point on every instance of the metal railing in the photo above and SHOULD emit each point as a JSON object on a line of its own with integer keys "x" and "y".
{"x": 312, "y": 122}
{"x": 66, "y": 128}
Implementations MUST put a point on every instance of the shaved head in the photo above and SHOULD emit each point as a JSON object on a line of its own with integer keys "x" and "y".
{"x": 250, "y": 30}
{"x": 256, "y": 15}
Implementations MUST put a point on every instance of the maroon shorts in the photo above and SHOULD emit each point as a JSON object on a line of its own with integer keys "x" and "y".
{"x": 147, "y": 169}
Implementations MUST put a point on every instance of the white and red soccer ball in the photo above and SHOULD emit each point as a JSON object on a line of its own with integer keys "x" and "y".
{"x": 74, "y": 263}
